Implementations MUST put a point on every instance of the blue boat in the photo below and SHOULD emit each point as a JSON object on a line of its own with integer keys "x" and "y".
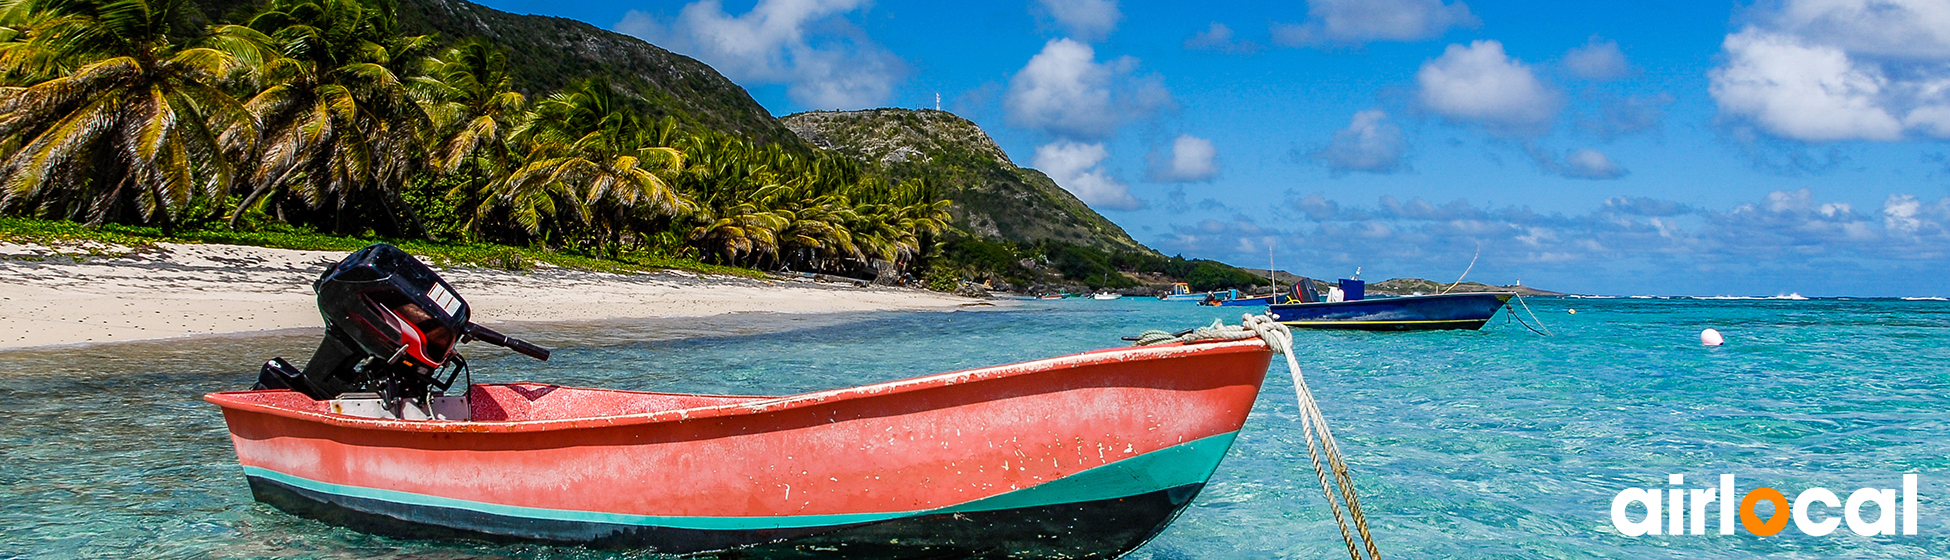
{"x": 1255, "y": 301}
{"x": 1181, "y": 291}
{"x": 1404, "y": 313}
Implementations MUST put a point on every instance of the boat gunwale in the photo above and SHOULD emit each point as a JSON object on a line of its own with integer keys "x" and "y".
{"x": 229, "y": 400}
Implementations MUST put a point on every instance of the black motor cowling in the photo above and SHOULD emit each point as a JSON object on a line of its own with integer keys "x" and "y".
{"x": 391, "y": 324}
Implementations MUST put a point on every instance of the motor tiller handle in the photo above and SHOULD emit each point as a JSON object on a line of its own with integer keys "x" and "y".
{"x": 520, "y": 346}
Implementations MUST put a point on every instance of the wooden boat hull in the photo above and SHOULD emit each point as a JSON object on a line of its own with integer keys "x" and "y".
{"x": 1407, "y": 313}
{"x": 1081, "y": 456}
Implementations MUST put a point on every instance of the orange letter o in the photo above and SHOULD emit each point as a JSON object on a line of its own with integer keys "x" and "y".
{"x": 1751, "y": 520}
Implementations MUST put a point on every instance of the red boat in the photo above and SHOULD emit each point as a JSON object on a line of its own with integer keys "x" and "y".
{"x": 1082, "y": 456}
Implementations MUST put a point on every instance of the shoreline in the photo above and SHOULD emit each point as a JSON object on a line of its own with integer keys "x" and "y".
{"x": 187, "y": 290}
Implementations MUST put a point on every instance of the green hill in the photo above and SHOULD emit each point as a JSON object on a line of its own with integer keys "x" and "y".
{"x": 994, "y": 199}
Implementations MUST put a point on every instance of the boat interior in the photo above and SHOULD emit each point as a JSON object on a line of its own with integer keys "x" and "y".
{"x": 505, "y": 402}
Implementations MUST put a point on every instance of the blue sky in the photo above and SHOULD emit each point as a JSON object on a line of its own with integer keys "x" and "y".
{"x": 1791, "y": 146}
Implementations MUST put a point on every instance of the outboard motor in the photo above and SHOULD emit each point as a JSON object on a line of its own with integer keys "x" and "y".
{"x": 391, "y": 327}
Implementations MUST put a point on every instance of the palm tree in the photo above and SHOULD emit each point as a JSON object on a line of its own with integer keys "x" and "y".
{"x": 468, "y": 95}
{"x": 743, "y": 230}
{"x": 103, "y": 106}
{"x": 339, "y": 127}
{"x": 587, "y": 148}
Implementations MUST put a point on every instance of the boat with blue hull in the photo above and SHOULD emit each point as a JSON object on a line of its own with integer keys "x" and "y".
{"x": 1349, "y": 308}
{"x": 1181, "y": 291}
{"x": 1251, "y": 301}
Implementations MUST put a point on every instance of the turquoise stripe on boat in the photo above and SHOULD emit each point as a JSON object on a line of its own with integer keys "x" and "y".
{"x": 1187, "y": 463}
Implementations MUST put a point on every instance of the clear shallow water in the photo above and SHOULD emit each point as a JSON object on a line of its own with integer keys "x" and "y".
{"x": 1489, "y": 444}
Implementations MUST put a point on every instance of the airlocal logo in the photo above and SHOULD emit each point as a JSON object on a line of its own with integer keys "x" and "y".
{"x": 1681, "y": 511}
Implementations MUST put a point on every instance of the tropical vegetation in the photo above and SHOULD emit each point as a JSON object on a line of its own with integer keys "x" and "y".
{"x": 319, "y": 116}
{"x": 319, "y": 123}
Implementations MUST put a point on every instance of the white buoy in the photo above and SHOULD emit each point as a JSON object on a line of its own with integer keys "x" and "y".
{"x": 1711, "y": 337}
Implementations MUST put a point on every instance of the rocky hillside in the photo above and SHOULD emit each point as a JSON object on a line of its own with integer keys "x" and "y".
{"x": 993, "y": 197}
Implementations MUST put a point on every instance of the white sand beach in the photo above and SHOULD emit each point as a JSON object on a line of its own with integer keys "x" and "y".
{"x": 184, "y": 289}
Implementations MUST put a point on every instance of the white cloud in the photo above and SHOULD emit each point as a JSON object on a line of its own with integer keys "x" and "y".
{"x": 1597, "y": 60}
{"x": 1586, "y": 163}
{"x": 1479, "y": 83}
{"x": 1361, "y": 21}
{"x": 1064, "y": 91}
{"x": 1077, "y": 168}
{"x": 825, "y": 62}
{"x": 1089, "y": 20}
{"x": 1370, "y": 143}
{"x": 1912, "y": 29}
{"x": 1581, "y": 163}
{"x": 1802, "y": 91}
{"x": 1899, "y": 213}
{"x": 1192, "y": 160}
{"x": 1218, "y": 38}
{"x": 1839, "y": 70}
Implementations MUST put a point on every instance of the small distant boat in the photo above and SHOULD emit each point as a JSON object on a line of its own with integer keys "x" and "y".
{"x": 1181, "y": 291}
{"x": 1405, "y": 313}
{"x": 1050, "y": 296}
{"x": 1107, "y": 295}
{"x": 1253, "y": 300}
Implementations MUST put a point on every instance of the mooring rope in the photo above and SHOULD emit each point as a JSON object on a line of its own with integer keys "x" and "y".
{"x": 1465, "y": 274}
{"x": 1320, "y": 440}
{"x": 1533, "y": 317}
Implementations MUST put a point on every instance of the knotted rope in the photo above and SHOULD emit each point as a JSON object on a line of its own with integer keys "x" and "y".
{"x": 1320, "y": 440}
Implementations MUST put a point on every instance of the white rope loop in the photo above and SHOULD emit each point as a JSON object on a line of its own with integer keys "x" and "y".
{"x": 1320, "y": 440}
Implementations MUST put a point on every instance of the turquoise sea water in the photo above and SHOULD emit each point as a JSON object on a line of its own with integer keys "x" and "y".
{"x": 1491, "y": 444}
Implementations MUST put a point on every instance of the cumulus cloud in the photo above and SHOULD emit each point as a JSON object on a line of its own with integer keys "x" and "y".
{"x": 1597, "y": 59}
{"x": 1581, "y": 163}
{"x": 1360, "y": 21}
{"x": 1802, "y": 91}
{"x": 1479, "y": 83}
{"x": 1586, "y": 163}
{"x": 1077, "y": 167}
{"x": 1192, "y": 160}
{"x": 1218, "y": 38}
{"x": 1642, "y": 206}
{"x": 1369, "y": 144}
{"x": 1839, "y": 70}
{"x": 1901, "y": 29}
{"x": 1907, "y": 217}
{"x": 824, "y": 61}
{"x": 1235, "y": 235}
{"x": 1065, "y": 91}
{"x": 1089, "y": 20}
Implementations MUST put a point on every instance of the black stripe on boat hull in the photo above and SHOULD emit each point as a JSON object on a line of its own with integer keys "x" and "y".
{"x": 1391, "y": 326}
{"x": 1093, "y": 529}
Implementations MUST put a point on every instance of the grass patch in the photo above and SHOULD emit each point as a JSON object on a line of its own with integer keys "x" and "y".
{"x": 81, "y": 241}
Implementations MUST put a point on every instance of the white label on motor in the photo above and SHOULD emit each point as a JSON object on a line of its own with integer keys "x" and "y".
{"x": 445, "y": 299}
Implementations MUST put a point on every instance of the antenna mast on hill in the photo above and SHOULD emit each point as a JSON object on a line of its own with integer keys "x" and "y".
{"x": 937, "y": 101}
